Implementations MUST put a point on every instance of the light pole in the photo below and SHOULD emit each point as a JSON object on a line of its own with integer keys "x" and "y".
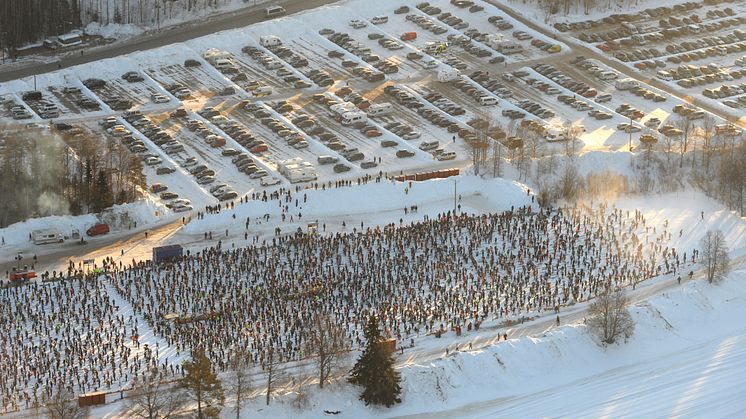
{"x": 630, "y": 133}
{"x": 455, "y": 181}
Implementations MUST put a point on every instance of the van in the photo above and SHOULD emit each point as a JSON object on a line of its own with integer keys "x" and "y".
{"x": 274, "y": 11}
{"x": 380, "y": 109}
{"x": 221, "y": 63}
{"x": 97, "y": 229}
{"x": 626, "y": 84}
{"x": 429, "y": 145}
{"x": 487, "y": 101}
{"x": 269, "y": 41}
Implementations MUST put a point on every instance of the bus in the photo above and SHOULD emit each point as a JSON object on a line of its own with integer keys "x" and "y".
{"x": 69, "y": 40}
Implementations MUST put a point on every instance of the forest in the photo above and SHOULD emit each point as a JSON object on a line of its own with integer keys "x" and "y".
{"x": 24, "y": 22}
{"x": 53, "y": 173}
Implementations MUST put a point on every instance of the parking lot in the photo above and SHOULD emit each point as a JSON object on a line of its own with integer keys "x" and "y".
{"x": 384, "y": 90}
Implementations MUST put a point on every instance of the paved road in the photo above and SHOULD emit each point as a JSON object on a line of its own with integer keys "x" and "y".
{"x": 579, "y": 48}
{"x": 166, "y": 36}
{"x": 134, "y": 245}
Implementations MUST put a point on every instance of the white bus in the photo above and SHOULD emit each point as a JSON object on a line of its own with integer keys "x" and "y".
{"x": 69, "y": 40}
{"x": 273, "y": 11}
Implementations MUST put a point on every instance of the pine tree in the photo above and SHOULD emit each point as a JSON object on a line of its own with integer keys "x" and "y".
{"x": 203, "y": 385}
{"x": 375, "y": 370}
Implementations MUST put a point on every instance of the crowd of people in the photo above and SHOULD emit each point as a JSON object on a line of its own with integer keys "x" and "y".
{"x": 66, "y": 335}
{"x": 446, "y": 273}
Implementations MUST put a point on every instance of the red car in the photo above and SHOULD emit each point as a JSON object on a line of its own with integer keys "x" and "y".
{"x": 259, "y": 148}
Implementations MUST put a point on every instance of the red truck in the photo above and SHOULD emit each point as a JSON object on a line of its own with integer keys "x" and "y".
{"x": 97, "y": 229}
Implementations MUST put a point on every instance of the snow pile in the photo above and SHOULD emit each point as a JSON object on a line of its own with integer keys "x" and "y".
{"x": 376, "y": 198}
{"x": 144, "y": 212}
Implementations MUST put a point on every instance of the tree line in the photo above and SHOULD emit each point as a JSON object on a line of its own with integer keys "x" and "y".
{"x": 43, "y": 173}
{"x": 24, "y": 22}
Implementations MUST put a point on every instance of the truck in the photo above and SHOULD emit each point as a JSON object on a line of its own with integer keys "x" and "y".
{"x": 269, "y": 41}
{"x": 47, "y": 236}
{"x": 448, "y": 74}
{"x": 165, "y": 253}
{"x": 301, "y": 175}
{"x": 626, "y": 84}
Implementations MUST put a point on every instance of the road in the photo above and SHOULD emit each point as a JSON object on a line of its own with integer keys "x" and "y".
{"x": 134, "y": 245}
{"x": 166, "y": 36}
{"x": 579, "y": 48}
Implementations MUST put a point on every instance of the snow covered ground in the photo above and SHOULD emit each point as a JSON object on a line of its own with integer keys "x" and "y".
{"x": 686, "y": 358}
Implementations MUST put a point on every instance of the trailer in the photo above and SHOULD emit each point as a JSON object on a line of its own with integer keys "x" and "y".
{"x": 47, "y": 236}
{"x": 165, "y": 253}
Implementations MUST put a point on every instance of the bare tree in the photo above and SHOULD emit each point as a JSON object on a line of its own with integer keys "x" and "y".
{"x": 62, "y": 405}
{"x": 570, "y": 184}
{"x": 610, "y": 319}
{"x": 238, "y": 382}
{"x": 572, "y": 139}
{"x": 152, "y": 399}
{"x": 707, "y": 132}
{"x": 715, "y": 255}
{"x": 685, "y": 125}
{"x": 328, "y": 343}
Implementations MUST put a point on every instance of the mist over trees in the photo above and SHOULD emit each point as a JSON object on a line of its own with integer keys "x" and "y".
{"x": 46, "y": 173}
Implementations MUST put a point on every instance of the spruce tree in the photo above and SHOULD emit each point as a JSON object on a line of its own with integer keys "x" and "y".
{"x": 375, "y": 370}
{"x": 203, "y": 385}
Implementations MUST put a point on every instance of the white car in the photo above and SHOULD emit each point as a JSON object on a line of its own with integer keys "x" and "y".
{"x": 269, "y": 181}
{"x": 160, "y": 98}
{"x": 111, "y": 120}
{"x": 358, "y": 24}
{"x": 412, "y": 135}
{"x": 448, "y": 155}
{"x": 184, "y": 208}
{"x": 652, "y": 123}
{"x": 180, "y": 202}
{"x": 152, "y": 161}
{"x": 217, "y": 187}
{"x": 259, "y": 174}
{"x": 377, "y": 20}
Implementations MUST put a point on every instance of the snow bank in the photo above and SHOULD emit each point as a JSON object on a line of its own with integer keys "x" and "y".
{"x": 371, "y": 198}
{"x": 142, "y": 212}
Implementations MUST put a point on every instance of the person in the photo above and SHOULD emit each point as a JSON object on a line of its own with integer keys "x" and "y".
{"x": 558, "y": 322}
{"x": 679, "y": 279}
